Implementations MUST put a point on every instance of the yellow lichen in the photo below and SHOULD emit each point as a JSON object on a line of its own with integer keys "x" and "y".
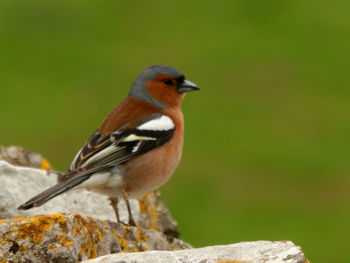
{"x": 21, "y": 234}
{"x": 34, "y": 227}
{"x": 135, "y": 244}
{"x": 89, "y": 249}
{"x": 149, "y": 208}
{"x": 13, "y": 229}
{"x": 121, "y": 241}
{"x": 17, "y": 218}
{"x": 85, "y": 229}
{"x": 144, "y": 203}
{"x": 75, "y": 230}
{"x": 59, "y": 217}
{"x": 52, "y": 248}
{"x": 38, "y": 238}
{"x": 140, "y": 236}
{"x": 45, "y": 165}
{"x": 83, "y": 250}
{"x": 65, "y": 241}
{"x": 93, "y": 252}
{"x": 91, "y": 233}
{"x": 22, "y": 248}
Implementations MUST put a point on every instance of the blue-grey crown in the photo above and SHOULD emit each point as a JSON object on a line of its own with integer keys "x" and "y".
{"x": 138, "y": 89}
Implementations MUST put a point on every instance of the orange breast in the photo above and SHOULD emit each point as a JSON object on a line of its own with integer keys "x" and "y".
{"x": 150, "y": 170}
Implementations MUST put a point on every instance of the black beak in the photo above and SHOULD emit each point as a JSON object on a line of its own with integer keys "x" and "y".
{"x": 187, "y": 86}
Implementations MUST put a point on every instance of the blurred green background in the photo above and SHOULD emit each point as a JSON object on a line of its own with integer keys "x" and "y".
{"x": 267, "y": 141}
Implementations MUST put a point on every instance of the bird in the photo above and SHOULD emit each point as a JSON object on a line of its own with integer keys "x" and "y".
{"x": 137, "y": 147}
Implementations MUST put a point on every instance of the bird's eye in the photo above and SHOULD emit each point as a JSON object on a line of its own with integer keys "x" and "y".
{"x": 167, "y": 81}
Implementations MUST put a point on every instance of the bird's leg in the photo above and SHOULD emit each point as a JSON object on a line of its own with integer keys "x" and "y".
{"x": 114, "y": 203}
{"x": 131, "y": 219}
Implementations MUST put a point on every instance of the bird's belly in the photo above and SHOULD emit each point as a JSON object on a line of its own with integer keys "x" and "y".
{"x": 109, "y": 182}
{"x": 151, "y": 170}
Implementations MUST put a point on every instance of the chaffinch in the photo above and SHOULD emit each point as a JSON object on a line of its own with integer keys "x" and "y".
{"x": 137, "y": 147}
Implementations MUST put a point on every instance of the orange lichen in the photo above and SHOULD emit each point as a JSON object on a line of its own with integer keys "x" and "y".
{"x": 140, "y": 236}
{"x": 38, "y": 238}
{"x": 149, "y": 208}
{"x": 89, "y": 249}
{"x": 52, "y": 248}
{"x": 33, "y": 227}
{"x": 17, "y": 218}
{"x": 93, "y": 235}
{"x": 65, "y": 241}
{"x": 45, "y": 165}
{"x": 22, "y": 249}
{"x": 93, "y": 253}
{"x": 59, "y": 217}
{"x": 131, "y": 239}
{"x": 75, "y": 230}
{"x": 144, "y": 203}
{"x": 136, "y": 238}
{"x": 89, "y": 233}
{"x": 13, "y": 229}
{"x": 121, "y": 241}
{"x": 84, "y": 251}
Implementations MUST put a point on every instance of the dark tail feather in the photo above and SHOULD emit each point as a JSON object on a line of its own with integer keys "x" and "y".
{"x": 53, "y": 192}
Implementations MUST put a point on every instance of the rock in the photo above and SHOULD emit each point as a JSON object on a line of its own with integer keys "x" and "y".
{"x": 19, "y": 156}
{"x": 68, "y": 238}
{"x": 73, "y": 227}
{"x": 18, "y": 184}
{"x": 245, "y": 252}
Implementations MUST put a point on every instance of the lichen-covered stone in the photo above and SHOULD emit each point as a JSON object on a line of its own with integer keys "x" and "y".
{"x": 22, "y": 157}
{"x": 18, "y": 184}
{"x": 66, "y": 238}
{"x": 245, "y": 252}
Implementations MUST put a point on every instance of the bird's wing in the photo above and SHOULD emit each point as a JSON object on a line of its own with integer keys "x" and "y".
{"x": 102, "y": 152}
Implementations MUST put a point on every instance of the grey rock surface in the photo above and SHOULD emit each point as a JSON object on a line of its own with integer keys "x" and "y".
{"x": 19, "y": 156}
{"x": 18, "y": 184}
{"x": 70, "y": 238}
{"x": 245, "y": 252}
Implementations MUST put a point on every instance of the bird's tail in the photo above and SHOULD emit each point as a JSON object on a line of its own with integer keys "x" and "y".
{"x": 52, "y": 192}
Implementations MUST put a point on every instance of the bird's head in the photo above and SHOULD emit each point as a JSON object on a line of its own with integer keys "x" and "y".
{"x": 162, "y": 86}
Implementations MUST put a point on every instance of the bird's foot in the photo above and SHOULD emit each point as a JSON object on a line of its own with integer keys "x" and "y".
{"x": 131, "y": 222}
